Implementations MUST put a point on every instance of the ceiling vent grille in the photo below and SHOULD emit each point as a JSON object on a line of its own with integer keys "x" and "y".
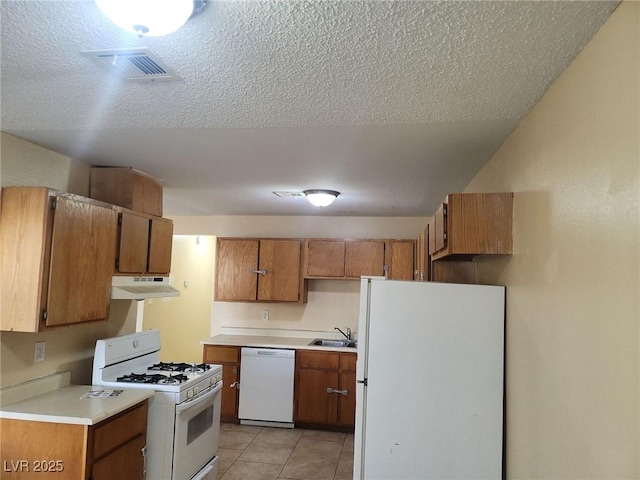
{"x": 133, "y": 63}
{"x": 288, "y": 194}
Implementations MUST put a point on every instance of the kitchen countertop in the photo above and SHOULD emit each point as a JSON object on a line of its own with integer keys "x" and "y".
{"x": 66, "y": 405}
{"x": 299, "y": 340}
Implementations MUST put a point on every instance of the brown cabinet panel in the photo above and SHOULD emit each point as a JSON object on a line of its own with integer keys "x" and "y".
{"x": 24, "y": 440}
{"x": 439, "y": 219}
{"x": 364, "y": 257}
{"x": 235, "y": 272}
{"x": 126, "y": 462}
{"x": 229, "y": 399}
{"x": 325, "y": 388}
{"x": 108, "y": 436}
{"x": 314, "y": 404}
{"x": 325, "y": 258}
{"x": 264, "y": 270}
{"x": 160, "y": 243}
{"x": 216, "y": 354}
{"x": 84, "y": 236}
{"x": 472, "y": 224}
{"x": 280, "y": 259}
{"x": 401, "y": 259}
{"x": 133, "y": 243}
{"x": 347, "y": 403}
{"x": 229, "y": 358}
{"x": 101, "y": 451}
{"x": 318, "y": 360}
{"x": 348, "y": 362}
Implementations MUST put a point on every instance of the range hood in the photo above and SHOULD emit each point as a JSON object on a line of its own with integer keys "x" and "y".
{"x": 140, "y": 288}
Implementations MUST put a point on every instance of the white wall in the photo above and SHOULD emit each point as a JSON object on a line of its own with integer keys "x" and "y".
{"x": 573, "y": 282}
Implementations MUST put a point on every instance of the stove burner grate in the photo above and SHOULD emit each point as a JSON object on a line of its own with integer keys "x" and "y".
{"x": 180, "y": 367}
{"x": 153, "y": 378}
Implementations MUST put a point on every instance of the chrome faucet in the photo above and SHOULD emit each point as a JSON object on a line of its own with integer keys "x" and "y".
{"x": 348, "y": 334}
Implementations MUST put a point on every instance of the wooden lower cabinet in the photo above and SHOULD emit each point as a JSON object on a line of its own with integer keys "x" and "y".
{"x": 113, "y": 448}
{"x": 325, "y": 388}
{"x": 229, "y": 358}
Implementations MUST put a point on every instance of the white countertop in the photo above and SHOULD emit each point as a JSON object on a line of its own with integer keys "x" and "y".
{"x": 66, "y": 405}
{"x": 299, "y": 340}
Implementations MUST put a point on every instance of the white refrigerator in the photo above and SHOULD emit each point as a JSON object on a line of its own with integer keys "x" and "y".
{"x": 429, "y": 394}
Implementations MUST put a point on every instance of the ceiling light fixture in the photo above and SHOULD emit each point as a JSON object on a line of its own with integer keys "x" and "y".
{"x": 150, "y": 18}
{"x": 321, "y": 198}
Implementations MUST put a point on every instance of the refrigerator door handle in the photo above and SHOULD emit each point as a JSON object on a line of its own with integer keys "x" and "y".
{"x": 365, "y": 382}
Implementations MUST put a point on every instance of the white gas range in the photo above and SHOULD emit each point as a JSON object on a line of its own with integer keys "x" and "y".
{"x": 184, "y": 413}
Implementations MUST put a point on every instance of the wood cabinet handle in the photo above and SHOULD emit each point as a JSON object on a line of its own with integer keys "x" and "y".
{"x": 235, "y": 385}
{"x": 341, "y": 392}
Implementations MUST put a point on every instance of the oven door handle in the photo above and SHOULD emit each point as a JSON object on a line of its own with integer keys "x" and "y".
{"x": 197, "y": 400}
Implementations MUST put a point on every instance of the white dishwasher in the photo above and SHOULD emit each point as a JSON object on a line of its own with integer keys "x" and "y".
{"x": 266, "y": 387}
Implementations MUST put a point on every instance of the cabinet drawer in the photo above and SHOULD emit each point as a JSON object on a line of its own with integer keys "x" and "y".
{"x": 215, "y": 354}
{"x": 348, "y": 362}
{"x": 120, "y": 430}
{"x": 318, "y": 360}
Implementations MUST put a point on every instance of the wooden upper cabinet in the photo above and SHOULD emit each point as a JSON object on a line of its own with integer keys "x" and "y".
{"x": 364, "y": 257}
{"x": 133, "y": 244}
{"x": 160, "y": 243}
{"x": 58, "y": 252}
{"x": 264, "y": 270}
{"x": 351, "y": 259}
{"x": 469, "y": 224}
{"x": 280, "y": 262}
{"x": 400, "y": 259}
{"x": 144, "y": 244}
{"x": 325, "y": 258}
{"x": 237, "y": 262}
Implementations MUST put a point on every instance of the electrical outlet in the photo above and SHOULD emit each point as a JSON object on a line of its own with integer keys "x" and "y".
{"x": 38, "y": 356}
{"x": 265, "y": 314}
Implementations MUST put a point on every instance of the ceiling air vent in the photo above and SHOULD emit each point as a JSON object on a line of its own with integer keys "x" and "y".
{"x": 288, "y": 194}
{"x": 133, "y": 63}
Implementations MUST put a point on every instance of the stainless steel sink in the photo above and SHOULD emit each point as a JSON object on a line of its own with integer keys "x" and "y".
{"x": 323, "y": 342}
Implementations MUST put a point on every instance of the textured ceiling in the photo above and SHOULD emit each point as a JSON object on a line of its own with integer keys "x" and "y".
{"x": 393, "y": 103}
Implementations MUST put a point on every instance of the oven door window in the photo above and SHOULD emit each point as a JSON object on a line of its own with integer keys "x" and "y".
{"x": 199, "y": 424}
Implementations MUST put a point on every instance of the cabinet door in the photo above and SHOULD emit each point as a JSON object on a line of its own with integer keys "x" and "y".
{"x": 160, "y": 242}
{"x": 229, "y": 358}
{"x": 133, "y": 243}
{"x": 314, "y": 404}
{"x": 229, "y": 400}
{"x": 235, "y": 273}
{"x": 280, "y": 259}
{"x": 325, "y": 258}
{"x": 440, "y": 219}
{"x": 125, "y": 462}
{"x": 347, "y": 403}
{"x": 364, "y": 257}
{"x": 83, "y": 250}
{"x": 401, "y": 255}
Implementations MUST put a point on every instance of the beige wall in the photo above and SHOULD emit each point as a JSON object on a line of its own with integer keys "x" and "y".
{"x": 573, "y": 287}
{"x": 68, "y": 348}
{"x": 185, "y": 320}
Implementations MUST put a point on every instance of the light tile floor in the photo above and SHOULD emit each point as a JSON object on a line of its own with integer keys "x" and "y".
{"x": 264, "y": 453}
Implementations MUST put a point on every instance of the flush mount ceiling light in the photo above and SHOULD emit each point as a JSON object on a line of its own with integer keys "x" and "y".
{"x": 321, "y": 198}
{"x": 150, "y": 18}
